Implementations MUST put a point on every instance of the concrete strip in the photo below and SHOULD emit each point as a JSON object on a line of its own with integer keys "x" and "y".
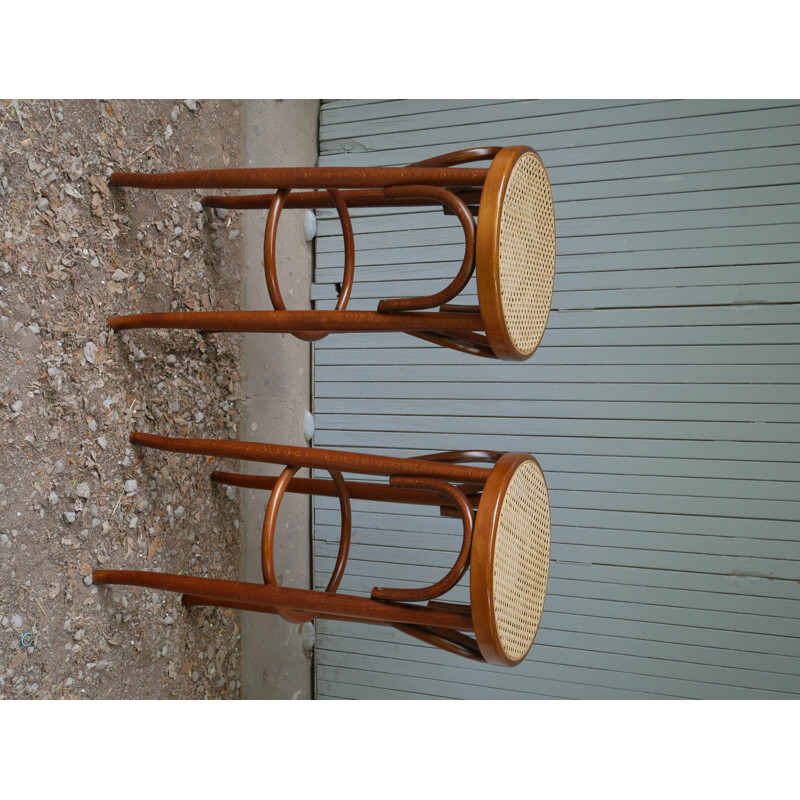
{"x": 276, "y": 380}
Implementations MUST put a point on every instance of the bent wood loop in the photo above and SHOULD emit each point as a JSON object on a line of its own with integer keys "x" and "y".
{"x": 268, "y": 538}
{"x": 353, "y": 198}
{"x": 505, "y": 520}
{"x": 511, "y": 248}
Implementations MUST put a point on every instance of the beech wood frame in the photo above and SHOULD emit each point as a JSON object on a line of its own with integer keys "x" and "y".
{"x": 475, "y": 329}
{"x": 474, "y": 494}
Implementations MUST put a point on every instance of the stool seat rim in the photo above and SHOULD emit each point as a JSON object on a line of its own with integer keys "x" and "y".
{"x": 489, "y": 629}
{"x": 488, "y": 257}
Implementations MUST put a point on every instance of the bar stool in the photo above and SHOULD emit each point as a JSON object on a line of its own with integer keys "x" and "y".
{"x": 504, "y": 510}
{"x": 512, "y": 248}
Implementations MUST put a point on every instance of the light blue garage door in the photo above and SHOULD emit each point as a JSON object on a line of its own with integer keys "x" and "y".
{"x": 662, "y": 403}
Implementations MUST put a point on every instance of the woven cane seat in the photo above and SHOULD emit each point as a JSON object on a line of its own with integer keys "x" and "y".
{"x": 516, "y": 252}
{"x": 509, "y": 580}
{"x": 527, "y": 252}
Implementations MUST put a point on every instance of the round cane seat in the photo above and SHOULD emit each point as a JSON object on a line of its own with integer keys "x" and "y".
{"x": 516, "y": 252}
{"x": 511, "y": 559}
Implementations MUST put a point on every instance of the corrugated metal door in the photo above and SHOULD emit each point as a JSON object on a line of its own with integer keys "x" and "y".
{"x": 662, "y": 403}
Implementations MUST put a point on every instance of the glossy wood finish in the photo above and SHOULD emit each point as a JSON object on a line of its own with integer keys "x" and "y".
{"x": 488, "y": 249}
{"x": 457, "y": 497}
{"x": 441, "y": 180}
{"x": 301, "y": 178}
{"x": 271, "y": 267}
{"x": 354, "y": 198}
{"x": 313, "y": 458}
{"x": 459, "y": 157}
{"x": 289, "y": 321}
{"x": 481, "y": 573}
{"x": 358, "y": 490}
{"x": 459, "y": 209}
{"x": 442, "y": 479}
{"x": 268, "y": 538}
{"x": 266, "y": 598}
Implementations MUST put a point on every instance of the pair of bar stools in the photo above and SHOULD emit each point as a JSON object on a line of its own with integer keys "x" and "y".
{"x": 504, "y": 508}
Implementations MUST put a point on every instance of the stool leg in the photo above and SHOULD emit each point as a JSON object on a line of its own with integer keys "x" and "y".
{"x": 289, "y": 321}
{"x": 455, "y": 331}
{"x": 314, "y": 458}
{"x": 451, "y": 641}
{"x": 372, "y": 197}
{"x": 357, "y": 609}
{"x": 355, "y": 198}
{"x": 302, "y": 178}
{"x": 359, "y": 490}
{"x": 190, "y": 601}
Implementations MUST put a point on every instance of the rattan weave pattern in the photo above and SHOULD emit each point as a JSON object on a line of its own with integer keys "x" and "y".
{"x": 527, "y": 252}
{"x": 521, "y": 560}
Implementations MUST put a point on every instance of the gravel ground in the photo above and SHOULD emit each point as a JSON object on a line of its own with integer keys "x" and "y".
{"x": 74, "y": 494}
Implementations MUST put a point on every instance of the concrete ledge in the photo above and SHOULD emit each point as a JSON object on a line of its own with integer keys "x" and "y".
{"x": 276, "y": 381}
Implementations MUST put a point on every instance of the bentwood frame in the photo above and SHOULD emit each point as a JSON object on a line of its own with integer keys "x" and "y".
{"x": 503, "y": 624}
{"x": 511, "y": 197}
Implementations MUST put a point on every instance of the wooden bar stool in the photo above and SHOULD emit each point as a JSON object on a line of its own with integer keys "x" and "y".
{"x": 512, "y": 247}
{"x": 505, "y": 514}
